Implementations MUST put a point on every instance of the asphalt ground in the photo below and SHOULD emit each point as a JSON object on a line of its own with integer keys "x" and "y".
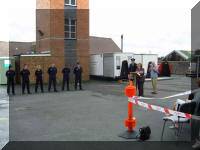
{"x": 4, "y": 117}
{"x": 95, "y": 114}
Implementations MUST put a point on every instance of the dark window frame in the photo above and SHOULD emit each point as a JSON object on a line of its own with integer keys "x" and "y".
{"x": 69, "y": 3}
{"x": 69, "y": 26}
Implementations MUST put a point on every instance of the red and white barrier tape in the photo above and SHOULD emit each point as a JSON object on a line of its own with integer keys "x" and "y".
{"x": 161, "y": 109}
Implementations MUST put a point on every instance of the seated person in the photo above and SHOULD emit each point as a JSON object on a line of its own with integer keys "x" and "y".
{"x": 180, "y": 102}
{"x": 195, "y": 96}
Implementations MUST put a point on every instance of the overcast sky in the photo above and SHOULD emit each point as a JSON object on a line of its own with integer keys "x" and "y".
{"x": 148, "y": 26}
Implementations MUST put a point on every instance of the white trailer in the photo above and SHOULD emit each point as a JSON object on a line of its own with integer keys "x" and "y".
{"x": 144, "y": 59}
{"x": 109, "y": 64}
{"x": 112, "y": 63}
{"x": 96, "y": 65}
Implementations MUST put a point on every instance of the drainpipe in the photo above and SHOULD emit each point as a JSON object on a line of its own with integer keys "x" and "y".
{"x": 122, "y": 42}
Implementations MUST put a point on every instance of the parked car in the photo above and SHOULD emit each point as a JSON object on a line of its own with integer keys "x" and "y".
{"x": 192, "y": 70}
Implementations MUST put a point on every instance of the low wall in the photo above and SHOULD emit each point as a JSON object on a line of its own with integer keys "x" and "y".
{"x": 179, "y": 67}
{"x": 44, "y": 62}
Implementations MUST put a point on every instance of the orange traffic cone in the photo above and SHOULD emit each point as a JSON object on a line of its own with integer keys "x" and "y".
{"x": 130, "y": 122}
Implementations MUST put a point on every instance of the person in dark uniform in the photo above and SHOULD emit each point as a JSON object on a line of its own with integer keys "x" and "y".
{"x": 65, "y": 72}
{"x": 10, "y": 74}
{"x": 25, "y": 73}
{"x": 132, "y": 68}
{"x": 78, "y": 75}
{"x": 39, "y": 80}
{"x": 52, "y": 71}
{"x": 140, "y": 79}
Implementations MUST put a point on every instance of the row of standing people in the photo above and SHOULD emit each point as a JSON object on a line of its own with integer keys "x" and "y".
{"x": 137, "y": 68}
{"x": 52, "y": 71}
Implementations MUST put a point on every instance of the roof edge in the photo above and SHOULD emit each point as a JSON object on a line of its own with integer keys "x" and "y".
{"x": 197, "y": 5}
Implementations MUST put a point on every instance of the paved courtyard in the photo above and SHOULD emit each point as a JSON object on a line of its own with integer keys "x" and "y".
{"x": 4, "y": 117}
{"x": 95, "y": 114}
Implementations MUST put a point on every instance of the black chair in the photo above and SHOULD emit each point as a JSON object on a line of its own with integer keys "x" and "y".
{"x": 195, "y": 124}
{"x": 198, "y": 110}
{"x": 185, "y": 108}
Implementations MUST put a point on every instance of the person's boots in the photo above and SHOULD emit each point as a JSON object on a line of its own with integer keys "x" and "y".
{"x": 196, "y": 145}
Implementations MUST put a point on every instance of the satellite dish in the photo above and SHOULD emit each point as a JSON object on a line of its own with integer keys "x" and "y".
{"x": 40, "y": 32}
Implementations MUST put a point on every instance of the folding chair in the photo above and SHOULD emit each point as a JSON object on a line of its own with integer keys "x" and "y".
{"x": 198, "y": 110}
{"x": 185, "y": 108}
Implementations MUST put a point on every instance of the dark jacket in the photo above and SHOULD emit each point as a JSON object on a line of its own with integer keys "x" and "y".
{"x": 38, "y": 74}
{"x": 149, "y": 70}
{"x": 132, "y": 67}
{"x": 165, "y": 69}
{"x": 10, "y": 74}
{"x": 197, "y": 100}
{"x": 52, "y": 71}
{"x": 124, "y": 70}
{"x": 25, "y": 74}
{"x": 78, "y": 72}
{"x": 140, "y": 78}
{"x": 66, "y": 72}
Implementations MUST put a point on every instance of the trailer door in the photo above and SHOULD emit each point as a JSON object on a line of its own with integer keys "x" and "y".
{"x": 108, "y": 66}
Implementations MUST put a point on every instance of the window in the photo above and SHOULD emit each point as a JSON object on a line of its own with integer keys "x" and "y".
{"x": 70, "y": 28}
{"x": 73, "y": 2}
{"x": 70, "y": 2}
{"x": 118, "y": 62}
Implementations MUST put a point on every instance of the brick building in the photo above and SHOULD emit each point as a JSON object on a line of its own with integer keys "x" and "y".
{"x": 62, "y": 31}
{"x": 11, "y": 48}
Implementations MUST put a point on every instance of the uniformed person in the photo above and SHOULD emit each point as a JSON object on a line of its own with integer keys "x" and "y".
{"x": 39, "y": 80}
{"x": 65, "y": 72}
{"x": 78, "y": 75}
{"x": 10, "y": 74}
{"x": 52, "y": 71}
{"x": 132, "y": 68}
{"x": 25, "y": 73}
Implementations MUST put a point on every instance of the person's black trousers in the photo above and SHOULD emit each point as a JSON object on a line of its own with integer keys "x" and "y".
{"x": 39, "y": 81}
{"x": 140, "y": 86}
{"x": 54, "y": 84}
{"x": 25, "y": 83}
{"x": 11, "y": 83}
{"x": 63, "y": 85}
{"x": 78, "y": 80}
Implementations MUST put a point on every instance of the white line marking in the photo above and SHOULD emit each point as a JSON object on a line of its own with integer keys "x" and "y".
{"x": 176, "y": 95}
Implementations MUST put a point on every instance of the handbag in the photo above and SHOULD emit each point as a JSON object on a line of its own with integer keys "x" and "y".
{"x": 144, "y": 133}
